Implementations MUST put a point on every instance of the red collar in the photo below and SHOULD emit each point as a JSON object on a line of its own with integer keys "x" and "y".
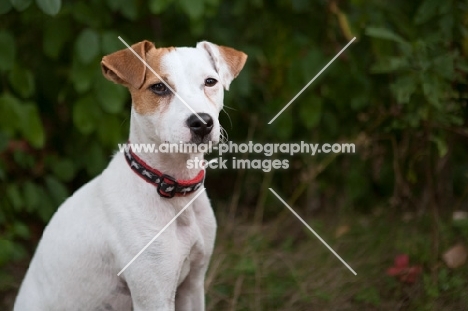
{"x": 167, "y": 186}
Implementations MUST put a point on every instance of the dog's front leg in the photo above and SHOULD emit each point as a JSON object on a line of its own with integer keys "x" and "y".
{"x": 152, "y": 286}
{"x": 155, "y": 297}
{"x": 190, "y": 294}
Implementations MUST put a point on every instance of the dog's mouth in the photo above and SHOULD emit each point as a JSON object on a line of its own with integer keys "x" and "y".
{"x": 195, "y": 141}
{"x": 201, "y": 140}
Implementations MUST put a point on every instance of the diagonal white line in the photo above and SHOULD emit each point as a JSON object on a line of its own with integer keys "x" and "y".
{"x": 159, "y": 77}
{"x": 313, "y": 79}
{"x": 312, "y": 230}
{"x": 161, "y": 231}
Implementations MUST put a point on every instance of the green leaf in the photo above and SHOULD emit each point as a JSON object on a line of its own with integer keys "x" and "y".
{"x": 47, "y": 206}
{"x": 31, "y": 125}
{"x": 22, "y": 81}
{"x": 300, "y": 5}
{"x": 310, "y": 112}
{"x": 86, "y": 13}
{"x": 242, "y": 85}
{"x": 87, "y": 45}
{"x": 5, "y": 7}
{"x": 110, "y": 131}
{"x": 110, "y": 42}
{"x": 7, "y": 248}
{"x": 129, "y": 10}
{"x": 50, "y": 7}
{"x": 23, "y": 117}
{"x": 20, "y": 5}
{"x": 7, "y": 50}
{"x": 20, "y": 230}
{"x": 359, "y": 102}
{"x": 283, "y": 125}
{"x": 404, "y": 87}
{"x": 311, "y": 64}
{"x": 10, "y": 109}
{"x": 57, "y": 32}
{"x": 111, "y": 96}
{"x": 83, "y": 75}
{"x": 384, "y": 33}
{"x": 444, "y": 66}
{"x": 4, "y": 139}
{"x": 193, "y": 8}
{"x": 441, "y": 145}
{"x": 390, "y": 64}
{"x": 330, "y": 123}
{"x": 14, "y": 196}
{"x": 427, "y": 10}
{"x": 95, "y": 159}
{"x": 432, "y": 89}
{"x": 114, "y": 5}
{"x": 212, "y": 3}
{"x": 64, "y": 169}
{"x": 158, "y": 6}
{"x": 24, "y": 159}
{"x": 32, "y": 196}
{"x": 86, "y": 114}
{"x": 56, "y": 189}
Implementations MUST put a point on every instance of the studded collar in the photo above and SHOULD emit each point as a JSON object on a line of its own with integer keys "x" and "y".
{"x": 167, "y": 186}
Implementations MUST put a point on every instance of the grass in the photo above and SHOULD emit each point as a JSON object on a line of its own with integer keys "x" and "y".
{"x": 280, "y": 265}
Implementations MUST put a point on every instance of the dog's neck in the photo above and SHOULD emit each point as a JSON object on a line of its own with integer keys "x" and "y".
{"x": 173, "y": 164}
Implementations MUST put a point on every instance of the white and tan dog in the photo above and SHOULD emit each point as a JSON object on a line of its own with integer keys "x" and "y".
{"x": 98, "y": 230}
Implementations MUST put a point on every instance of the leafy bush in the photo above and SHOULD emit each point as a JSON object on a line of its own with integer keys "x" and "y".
{"x": 399, "y": 92}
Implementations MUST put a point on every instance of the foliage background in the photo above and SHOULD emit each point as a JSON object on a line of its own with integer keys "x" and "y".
{"x": 399, "y": 92}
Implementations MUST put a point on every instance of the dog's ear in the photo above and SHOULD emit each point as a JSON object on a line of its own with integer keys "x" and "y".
{"x": 124, "y": 67}
{"x": 227, "y": 61}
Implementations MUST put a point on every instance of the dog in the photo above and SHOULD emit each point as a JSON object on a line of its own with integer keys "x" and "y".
{"x": 98, "y": 230}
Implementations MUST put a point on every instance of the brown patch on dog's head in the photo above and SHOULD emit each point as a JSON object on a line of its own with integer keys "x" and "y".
{"x": 145, "y": 101}
{"x": 124, "y": 67}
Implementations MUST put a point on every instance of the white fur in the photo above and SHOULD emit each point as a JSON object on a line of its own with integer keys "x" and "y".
{"x": 103, "y": 225}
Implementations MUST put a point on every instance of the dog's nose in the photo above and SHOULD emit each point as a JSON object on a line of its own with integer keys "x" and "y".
{"x": 196, "y": 125}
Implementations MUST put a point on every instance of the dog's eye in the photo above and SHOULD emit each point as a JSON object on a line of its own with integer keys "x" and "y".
{"x": 210, "y": 82}
{"x": 160, "y": 89}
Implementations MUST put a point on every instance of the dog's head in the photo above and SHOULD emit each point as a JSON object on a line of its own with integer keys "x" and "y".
{"x": 187, "y": 76}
